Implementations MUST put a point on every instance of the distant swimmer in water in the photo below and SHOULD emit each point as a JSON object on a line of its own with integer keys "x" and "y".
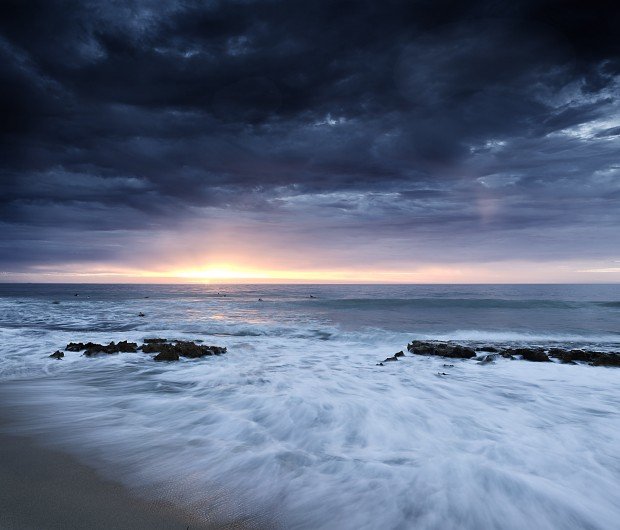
{"x": 312, "y": 296}
{"x": 141, "y": 314}
{"x": 261, "y": 300}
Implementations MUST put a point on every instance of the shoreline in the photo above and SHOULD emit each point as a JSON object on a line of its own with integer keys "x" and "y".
{"x": 44, "y": 488}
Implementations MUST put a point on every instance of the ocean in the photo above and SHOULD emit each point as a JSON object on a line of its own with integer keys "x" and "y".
{"x": 297, "y": 427}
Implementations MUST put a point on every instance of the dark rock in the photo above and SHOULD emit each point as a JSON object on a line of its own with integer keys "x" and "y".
{"x": 167, "y": 355}
{"x": 57, "y": 355}
{"x": 95, "y": 349}
{"x": 380, "y": 364}
{"x": 448, "y": 366}
{"x": 399, "y": 354}
{"x": 570, "y": 356}
{"x": 55, "y": 302}
{"x": 595, "y": 358}
{"x": 153, "y": 347}
{"x": 442, "y": 349}
{"x": 583, "y": 355}
{"x": 536, "y": 355}
{"x": 487, "y": 359}
{"x": 187, "y": 349}
{"x": 490, "y": 349}
{"x": 191, "y": 349}
{"x": 389, "y": 359}
{"x": 607, "y": 359}
{"x": 442, "y": 373}
{"x": 126, "y": 347}
{"x": 141, "y": 314}
{"x": 168, "y": 351}
{"x": 123, "y": 346}
{"x": 79, "y": 346}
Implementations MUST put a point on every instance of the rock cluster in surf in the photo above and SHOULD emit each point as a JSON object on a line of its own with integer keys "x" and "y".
{"x": 92, "y": 348}
{"x": 166, "y": 350}
{"x": 533, "y": 354}
{"x": 453, "y": 350}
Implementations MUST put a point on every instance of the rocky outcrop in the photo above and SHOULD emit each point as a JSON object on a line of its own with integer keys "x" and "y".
{"x": 79, "y": 346}
{"x": 607, "y": 359}
{"x": 390, "y": 359}
{"x": 181, "y": 348}
{"x": 166, "y": 351}
{"x": 167, "y": 355}
{"x": 57, "y": 355}
{"x": 121, "y": 347}
{"x": 155, "y": 341}
{"x": 441, "y": 349}
{"x": 93, "y": 348}
{"x": 492, "y": 353}
{"x": 536, "y": 355}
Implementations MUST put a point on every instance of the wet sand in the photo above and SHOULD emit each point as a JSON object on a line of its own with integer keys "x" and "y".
{"x": 45, "y": 489}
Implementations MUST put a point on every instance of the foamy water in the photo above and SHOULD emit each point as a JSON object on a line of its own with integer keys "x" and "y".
{"x": 296, "y": 427}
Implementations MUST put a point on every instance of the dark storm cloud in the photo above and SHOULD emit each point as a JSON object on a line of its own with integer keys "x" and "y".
{"x": 425, "y": 123}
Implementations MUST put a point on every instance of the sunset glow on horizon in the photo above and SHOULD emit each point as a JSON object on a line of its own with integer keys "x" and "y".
{"x": 222, "y": 273}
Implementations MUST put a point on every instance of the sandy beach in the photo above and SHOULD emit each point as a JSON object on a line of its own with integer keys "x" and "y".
{"x": 47, "y": 489}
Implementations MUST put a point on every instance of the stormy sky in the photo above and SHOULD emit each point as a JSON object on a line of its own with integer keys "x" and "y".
{"x": 413, "y": 140}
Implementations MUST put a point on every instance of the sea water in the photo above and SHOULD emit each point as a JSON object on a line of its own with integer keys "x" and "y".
{"x": 297, "y": 427}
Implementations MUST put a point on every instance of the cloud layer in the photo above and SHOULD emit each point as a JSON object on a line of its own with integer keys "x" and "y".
{"x": 308, "y": 135}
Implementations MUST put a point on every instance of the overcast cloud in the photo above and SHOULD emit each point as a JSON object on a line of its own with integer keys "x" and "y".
{"x": 310, "y": 134}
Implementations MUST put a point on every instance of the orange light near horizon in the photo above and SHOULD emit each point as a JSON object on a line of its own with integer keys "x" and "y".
{"x": 230, "y": 273}
{"x": 219, "y": 273}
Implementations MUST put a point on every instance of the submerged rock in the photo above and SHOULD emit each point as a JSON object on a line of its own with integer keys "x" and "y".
{"x": 399, "y": 354}
{"x": 57, "y": 355}
{"x": 441, "y": 349}
{"x": 389, "y": 359}
{"x": 487, "y": 359}
{"x": 155, "y": 341}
